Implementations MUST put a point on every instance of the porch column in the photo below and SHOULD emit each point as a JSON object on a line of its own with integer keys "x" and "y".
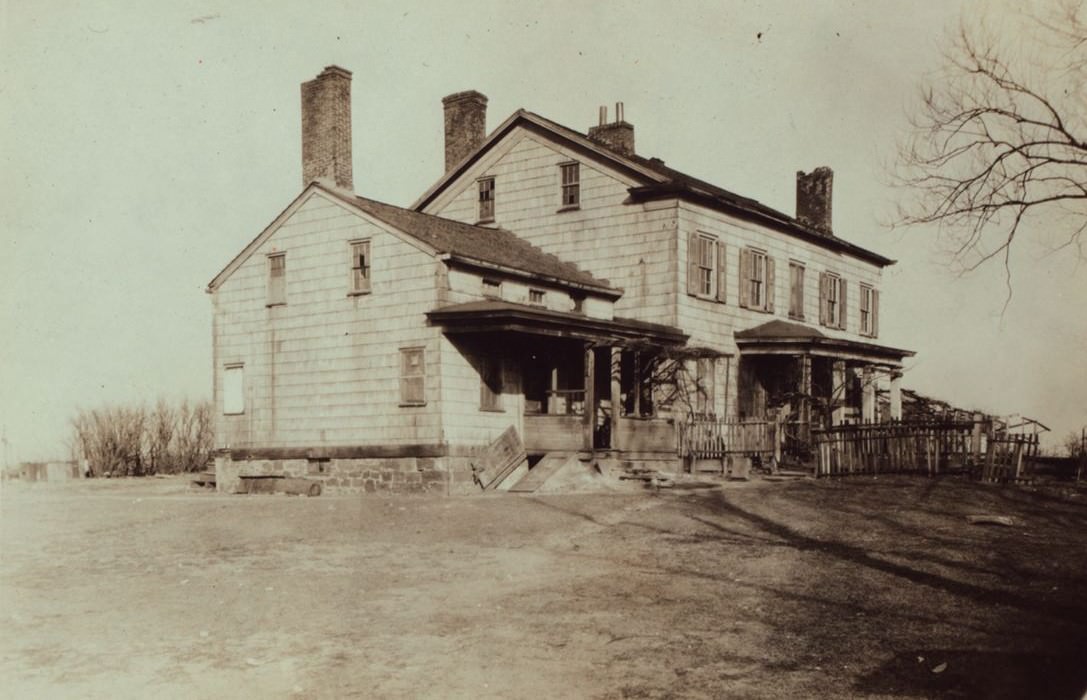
{"x": 804, "y": 389}
{"x": 896, "y": 396}
{"x": 616, "y": 396}
{"x": 590, "y": 400}
{"x": 868, "y": 395}
{"x": 838, "y": 391}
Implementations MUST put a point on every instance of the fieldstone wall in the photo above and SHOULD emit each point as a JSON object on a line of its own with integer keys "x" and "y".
{"x": 401, "y": 475}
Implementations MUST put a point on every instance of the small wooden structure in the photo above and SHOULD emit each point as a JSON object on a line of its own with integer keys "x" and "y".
{"x": 726, "y": 440}
{"x": 1009, "y": 458}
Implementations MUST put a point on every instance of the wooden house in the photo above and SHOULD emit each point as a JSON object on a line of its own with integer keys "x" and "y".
{"x": 541, "y": 284}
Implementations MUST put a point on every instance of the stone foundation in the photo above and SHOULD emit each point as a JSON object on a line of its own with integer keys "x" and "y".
{"x": 401, "y": 475}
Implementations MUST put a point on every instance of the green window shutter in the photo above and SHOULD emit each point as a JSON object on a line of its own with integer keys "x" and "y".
{"x": 721, "y": 277}
{"x": 692, "y": 263}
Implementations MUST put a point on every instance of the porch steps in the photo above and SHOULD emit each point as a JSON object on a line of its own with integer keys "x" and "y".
{"x": 548, "y": 465}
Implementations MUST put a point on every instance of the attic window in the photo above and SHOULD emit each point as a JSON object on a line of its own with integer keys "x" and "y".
{"x": 536, "y": 296}
{"x": 277, "y": 279}
{"x": 486, "y": 199}
{"x": 360, "y": 267}
{"x": 492, "y": 289}
{"x": 571, "y": 185}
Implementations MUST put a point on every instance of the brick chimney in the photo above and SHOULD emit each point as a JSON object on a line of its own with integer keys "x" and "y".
{"x": 813, "y": 199}
{"x": 618, "y": 135}
{"x": 326, "y": 128}
{"x": 465, "y": 125}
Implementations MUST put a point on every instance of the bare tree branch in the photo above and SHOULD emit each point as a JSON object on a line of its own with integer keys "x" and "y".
{"x": 998, "y": 145}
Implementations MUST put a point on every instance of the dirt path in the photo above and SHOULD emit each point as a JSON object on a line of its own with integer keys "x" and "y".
{"x": 829, "y": 589}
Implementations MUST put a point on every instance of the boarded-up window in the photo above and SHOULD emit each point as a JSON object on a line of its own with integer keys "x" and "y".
{"x": 277, "y": 279}
{"x": 571, "y": 185}
{"x": 486, "y": 199}
{"x": 234, "y": 389}
{"x": 360, "y": 266}
{"x": 490, "y": 384}
{"x": 412, "y": 377}
{"x": 796, "y": 291}
{"x": 869, "y": 310}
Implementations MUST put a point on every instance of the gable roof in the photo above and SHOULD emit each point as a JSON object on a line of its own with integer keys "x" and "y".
{"x": 658, "y": 182}
{"x": 472, "y": 245}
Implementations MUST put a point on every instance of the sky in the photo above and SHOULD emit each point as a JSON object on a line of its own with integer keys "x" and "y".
{"x": 143, "y": 144}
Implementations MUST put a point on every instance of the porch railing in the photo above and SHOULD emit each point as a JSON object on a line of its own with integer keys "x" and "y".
{"x": 708, "y": 438}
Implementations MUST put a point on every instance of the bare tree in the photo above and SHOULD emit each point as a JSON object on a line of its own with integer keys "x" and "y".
{"x": 159, "y": 436}
{"x": 999, "y": 144}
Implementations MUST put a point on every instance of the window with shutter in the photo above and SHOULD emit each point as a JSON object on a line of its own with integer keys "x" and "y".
{"x": 277, "y": 279}
{"x": 832, "y": 300}
{"x": 360, "y": 266}
{"x": 412, "y": 377}
{"x": 702, "y": 265}
{"x": 867, "y": 310}
{"x": 756, "y": 280}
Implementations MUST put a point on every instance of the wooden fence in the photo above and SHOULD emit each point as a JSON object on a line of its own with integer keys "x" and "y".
{"x": 875, "y": 448}
{"x": 1009, "y": 458}
{"x": 707, "y": 438}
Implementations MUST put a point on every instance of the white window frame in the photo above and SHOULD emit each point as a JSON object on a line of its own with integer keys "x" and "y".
{"x": 707, "y": 276}
{"x": 867, "y": 310}
{"x": 277, "y": 291}
{"x": 412, "y": 375}
{"x": 234, "y": 389}
{"x": 757, "y": 279}
{"x": 361, "y": 266}
{"x": 537, "y": 297}
{"x": 570, "y": 185}
{"x": 486, "y": 187}
{"x": 833, "y": 300}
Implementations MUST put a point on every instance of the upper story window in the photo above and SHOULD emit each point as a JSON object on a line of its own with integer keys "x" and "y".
{"x": 277, "y": 279}
{"x": 486, "y": 199}
{"x": 705, "y": 266}
{"x": 571, "y": 185}
{"x": 360, "y": 266}
{"x": 234, "y": 389}
{"x": 832, "y": 309}
{"x": 492, "y": 289}
{"x": 412, "y": 377}
{"x": 869, "y": 311}
{"x": 536, "y": 296}
{"x": 756, "y": 280}
{"x": 796, "y": 290}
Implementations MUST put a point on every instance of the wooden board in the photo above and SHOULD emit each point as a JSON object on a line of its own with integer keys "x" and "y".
{"x": 500, "y": 458}
{"x": 536, "y": 476}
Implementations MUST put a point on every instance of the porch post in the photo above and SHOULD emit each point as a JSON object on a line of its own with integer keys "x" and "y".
{"x": 804, "y": 389}
{"x": 590, "y": 400}
{"x": 868, "y": 395}
{"x": 616, "y": 396}
{"x": 896, "y": 396}
{"x": 837, "y": 393}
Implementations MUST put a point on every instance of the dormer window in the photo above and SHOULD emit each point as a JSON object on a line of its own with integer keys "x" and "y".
{"x": 486, "y": 199}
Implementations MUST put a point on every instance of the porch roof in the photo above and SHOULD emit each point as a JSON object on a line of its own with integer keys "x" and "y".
{"x": 492, "y": 316}
{"x": 786, "y": 338}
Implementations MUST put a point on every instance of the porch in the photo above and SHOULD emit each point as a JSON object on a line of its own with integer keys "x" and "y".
{"x": 580, "y": 383}
{"x": 806, "y": 380}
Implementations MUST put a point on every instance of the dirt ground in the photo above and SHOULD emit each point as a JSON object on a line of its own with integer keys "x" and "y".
{"x": 863, "y": 587}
